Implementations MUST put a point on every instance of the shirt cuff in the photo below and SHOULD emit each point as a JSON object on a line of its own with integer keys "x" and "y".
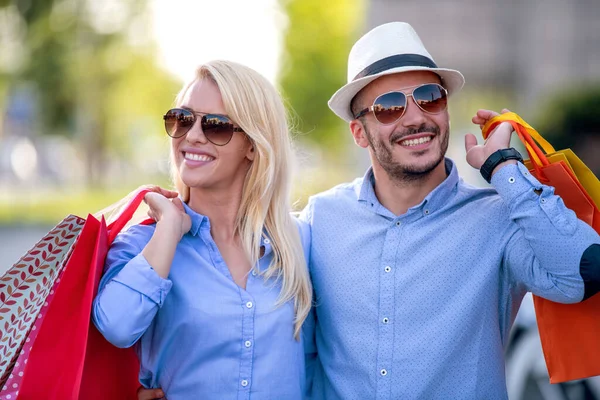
{"x": 141, "y": 277}
{"x": 513, "y": 180}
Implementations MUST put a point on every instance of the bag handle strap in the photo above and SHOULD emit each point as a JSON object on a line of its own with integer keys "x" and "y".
{"x": 537, "y": 147}
{"x": 125, "y": 216}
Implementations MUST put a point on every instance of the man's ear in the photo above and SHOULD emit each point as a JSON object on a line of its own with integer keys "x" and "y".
{"x": 359, "y": 133}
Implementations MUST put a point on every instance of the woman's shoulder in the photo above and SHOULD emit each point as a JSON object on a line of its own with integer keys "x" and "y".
{"x": 138, "y": 235}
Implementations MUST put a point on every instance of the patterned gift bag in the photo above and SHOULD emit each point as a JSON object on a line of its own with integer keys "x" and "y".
{"x": 51, "y": 349}
{"x": 25, "y": 288}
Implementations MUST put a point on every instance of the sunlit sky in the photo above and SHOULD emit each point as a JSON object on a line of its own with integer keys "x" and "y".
{"x": 190, "y": 32}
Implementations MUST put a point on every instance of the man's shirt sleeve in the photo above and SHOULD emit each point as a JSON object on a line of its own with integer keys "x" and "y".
{"x": 546, "y": 250}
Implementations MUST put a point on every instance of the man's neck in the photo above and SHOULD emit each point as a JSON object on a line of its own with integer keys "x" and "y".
{"x": 400, "y": 195}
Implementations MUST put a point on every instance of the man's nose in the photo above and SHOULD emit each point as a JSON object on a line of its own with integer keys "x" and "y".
{"x": 413, "y": 115}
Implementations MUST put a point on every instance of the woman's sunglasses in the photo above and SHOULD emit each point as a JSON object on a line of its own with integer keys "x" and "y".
{"x": 390, "y": 107}
{"x": 217, "y": 128}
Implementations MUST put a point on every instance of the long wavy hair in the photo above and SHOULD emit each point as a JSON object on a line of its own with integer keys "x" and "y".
{"x": 255, "y": 105}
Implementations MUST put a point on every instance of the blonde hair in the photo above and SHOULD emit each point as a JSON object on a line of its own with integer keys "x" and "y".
{"x": 254, "y": 104}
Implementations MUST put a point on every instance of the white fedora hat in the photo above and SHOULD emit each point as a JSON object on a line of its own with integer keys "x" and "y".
{"x": 387, "y": 49}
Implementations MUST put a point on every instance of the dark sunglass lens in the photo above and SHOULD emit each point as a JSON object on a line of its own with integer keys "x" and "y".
{"x": 389, "y": 107}
{"x": 431, "y": 98}
{"x": 178, "y": 122}
{"x": 217, "y": 128}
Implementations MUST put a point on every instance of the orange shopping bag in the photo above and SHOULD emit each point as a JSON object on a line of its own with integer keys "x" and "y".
{"x": 570, "y": 333}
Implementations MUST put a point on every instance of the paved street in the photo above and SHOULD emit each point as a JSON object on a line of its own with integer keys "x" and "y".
{"x": 16, "y": 240}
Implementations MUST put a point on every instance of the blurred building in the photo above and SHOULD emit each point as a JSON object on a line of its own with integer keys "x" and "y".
{"x": 527, "y": 47}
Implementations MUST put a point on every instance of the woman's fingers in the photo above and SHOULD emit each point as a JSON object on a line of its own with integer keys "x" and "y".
{"x": 157, "y": 189}
{"x": 149, "y": 394}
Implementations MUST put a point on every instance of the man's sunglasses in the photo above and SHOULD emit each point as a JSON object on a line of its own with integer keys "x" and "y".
{"x": 390, "y": 107}
{"x": 217, "y": 128}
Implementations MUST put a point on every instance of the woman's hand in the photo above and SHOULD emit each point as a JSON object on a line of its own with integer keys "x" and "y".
{"x": 167, "y": 209}
{"x": 150, "y": 394}
{"x": 172, "y": 223}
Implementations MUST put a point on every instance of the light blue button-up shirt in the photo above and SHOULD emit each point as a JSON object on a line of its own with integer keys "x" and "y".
{"x": 198, "y": 335}
{"x": 419, "y": 306}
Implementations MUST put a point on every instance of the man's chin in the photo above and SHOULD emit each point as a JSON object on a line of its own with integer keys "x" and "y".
{"x": 421, "y": 168}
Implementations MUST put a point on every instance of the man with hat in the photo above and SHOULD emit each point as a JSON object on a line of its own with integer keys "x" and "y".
{"x": 417, "y": 275}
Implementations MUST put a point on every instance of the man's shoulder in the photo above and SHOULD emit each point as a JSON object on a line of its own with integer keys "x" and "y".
{"x": 347, "y": 190}
{"x": 469, "y": 193}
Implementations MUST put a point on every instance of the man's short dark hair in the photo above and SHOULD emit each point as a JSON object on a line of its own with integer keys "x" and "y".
{"x": 356, "y": 104}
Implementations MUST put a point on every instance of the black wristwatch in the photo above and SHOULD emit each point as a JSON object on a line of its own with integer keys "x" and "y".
{"x": 496, "y": 158}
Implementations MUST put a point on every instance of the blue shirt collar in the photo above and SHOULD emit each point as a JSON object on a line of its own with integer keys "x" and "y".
{"x": 197, "y": 220}
{"x": 200, "y": 221}
{"x": 432, "y": 202}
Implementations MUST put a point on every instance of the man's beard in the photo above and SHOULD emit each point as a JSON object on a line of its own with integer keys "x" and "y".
{"x": 399, "y": 171}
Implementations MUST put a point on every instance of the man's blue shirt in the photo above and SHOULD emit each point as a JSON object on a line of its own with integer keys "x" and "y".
{"x": 419, "y": 306}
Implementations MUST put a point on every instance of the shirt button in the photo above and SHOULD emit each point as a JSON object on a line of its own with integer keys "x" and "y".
{"x": 386, "y": 320}
{"x": 248, "y": 343}
{"x": 383, "y": 372}
{"x": 244, "y": 383}
{"x": 426, "y": 212}
{"x": 543, "y": 200}
{"x": 254, "y": 272}
{"x": 387, "y": 268}
{"x": 266, "y": 241}
{"x": 398, "y": 223}
{"x": 249, "y": 304}
{"x": 511, "y": 180}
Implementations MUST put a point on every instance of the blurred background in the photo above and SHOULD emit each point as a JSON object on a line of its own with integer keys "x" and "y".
{"x": 84, "y": 85}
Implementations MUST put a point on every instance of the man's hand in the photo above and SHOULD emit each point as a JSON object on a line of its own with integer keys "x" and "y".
{"x": 150, "y": 394}
{"x": 498, "y": 139}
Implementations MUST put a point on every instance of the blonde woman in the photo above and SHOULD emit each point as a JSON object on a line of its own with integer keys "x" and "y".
{"x": 215, "y": 293}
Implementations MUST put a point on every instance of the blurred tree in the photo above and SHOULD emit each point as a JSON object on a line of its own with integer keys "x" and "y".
{"x": 571, "y": 119}
{"x": 317, "y": 41}
{"x": 87, "y": 59}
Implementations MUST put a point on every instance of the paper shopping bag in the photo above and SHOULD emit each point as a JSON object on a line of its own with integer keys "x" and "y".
{"x": 24, "y": 289}
{"x": 66, "y": 357}
{"x": 570, "y": 333}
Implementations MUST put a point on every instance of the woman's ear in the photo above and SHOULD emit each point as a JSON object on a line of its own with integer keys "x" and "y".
{"x": 250, "y": 153}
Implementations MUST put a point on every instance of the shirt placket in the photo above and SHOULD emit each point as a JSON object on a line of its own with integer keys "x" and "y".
{"x": 386, "y": 311}
{"x": 249, "y": 306}
{"x": 245, "y": 379}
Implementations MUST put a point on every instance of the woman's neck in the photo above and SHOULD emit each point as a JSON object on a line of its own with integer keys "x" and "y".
{"x": 221, "y": 206}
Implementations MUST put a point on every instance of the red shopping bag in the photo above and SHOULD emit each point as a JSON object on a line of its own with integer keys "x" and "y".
{"x": 25, "y": 290}
{"x": 570, "y": 333}
{"x": 69, "y": 358}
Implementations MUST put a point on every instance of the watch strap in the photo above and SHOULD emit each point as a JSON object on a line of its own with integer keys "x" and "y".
{"x": 498, "y": 157}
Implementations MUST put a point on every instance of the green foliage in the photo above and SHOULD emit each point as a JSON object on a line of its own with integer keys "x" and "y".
{"x": 570, "y": 115}
{"x": 93, "y": 85}
{"x": 317, "y": 42}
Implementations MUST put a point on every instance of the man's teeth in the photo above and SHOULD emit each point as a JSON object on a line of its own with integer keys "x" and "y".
{"x": 415, "y": 142}
{"x": 198, "y": 157}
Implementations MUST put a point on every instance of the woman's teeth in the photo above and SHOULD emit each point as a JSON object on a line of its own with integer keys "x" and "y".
{"x": 415, "y": 142}
{"x": 197, "y": 157}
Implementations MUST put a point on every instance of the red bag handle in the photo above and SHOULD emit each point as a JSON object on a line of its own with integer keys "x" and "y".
{"x": 125, "y": 216}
